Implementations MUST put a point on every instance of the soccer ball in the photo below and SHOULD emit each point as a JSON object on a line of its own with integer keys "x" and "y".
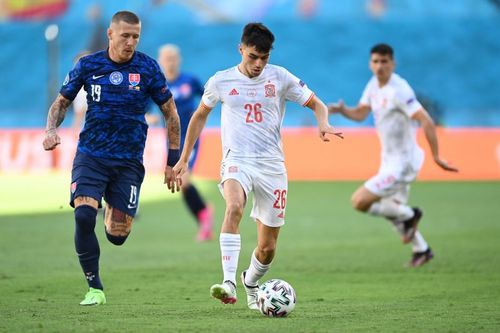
{"x": 276, "y": 298}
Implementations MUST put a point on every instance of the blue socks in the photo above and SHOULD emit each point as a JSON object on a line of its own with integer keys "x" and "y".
{"x": 86, "y": 244}
{"x": 193, "y": 200}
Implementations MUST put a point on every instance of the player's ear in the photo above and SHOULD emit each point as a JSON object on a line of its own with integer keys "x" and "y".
{"x": 240, "y": 48}
{"x": 109, "y": 32}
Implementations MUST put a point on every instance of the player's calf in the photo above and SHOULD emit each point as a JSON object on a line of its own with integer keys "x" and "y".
{"x": 117, "y": 225}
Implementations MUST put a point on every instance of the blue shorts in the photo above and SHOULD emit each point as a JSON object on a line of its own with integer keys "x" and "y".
{"x": 117, "y": 180}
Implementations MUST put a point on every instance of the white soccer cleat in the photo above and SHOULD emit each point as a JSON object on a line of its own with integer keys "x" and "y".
{"x": 225, "y": 292}
{"x": 252, "y": 297}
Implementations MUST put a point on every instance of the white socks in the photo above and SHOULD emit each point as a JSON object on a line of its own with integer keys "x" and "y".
{"x": 255, "y": 271}
{"x": 418, "y": 243}
{"x": 391, "y": 209}
{"x": 230, "y": 245}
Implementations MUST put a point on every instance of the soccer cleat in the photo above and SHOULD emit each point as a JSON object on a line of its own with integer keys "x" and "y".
{"x": 205, "y": 221}
{"x": 94, "y": 297}
{"x": 410, "y": 226}
{"x": 225, "y": 292}
{"x": 252, "y": 297}
{"x": 420, "y": 258}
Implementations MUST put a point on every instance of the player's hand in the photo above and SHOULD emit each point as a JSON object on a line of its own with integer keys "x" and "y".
{"x": 336, "y": 107}
{"x": 445, "y": 165}
{"x": 178, "y": 171}
{"x": 170, "y": 180}
{"x": 51, "y": 140}
{"x": 324, "y": 130}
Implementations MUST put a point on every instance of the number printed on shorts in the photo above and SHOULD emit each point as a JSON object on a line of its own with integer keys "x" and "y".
{"x": 254, "y": 115}
{"x": 280, "y": 201}
{"x": 133, "y": 197}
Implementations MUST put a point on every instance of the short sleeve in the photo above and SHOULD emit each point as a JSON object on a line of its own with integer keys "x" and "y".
{"x": 73, "y": 82}
{"x": 296, "y": 90}
{"x": 365, "y": 97}
{"x": 406, "y": 100}
{"x": 211, "y": 95}
{"x": 158, "y": 86}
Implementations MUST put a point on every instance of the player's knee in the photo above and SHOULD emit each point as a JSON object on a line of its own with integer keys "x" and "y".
{"x": 359, "y": 204}
{"x": 234, "y": 211}
{"x": 116, "y": 240}
{"x": 85, "y": 218}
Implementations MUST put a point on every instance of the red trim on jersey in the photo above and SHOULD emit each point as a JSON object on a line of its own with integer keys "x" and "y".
{"x": 309, "y": 99}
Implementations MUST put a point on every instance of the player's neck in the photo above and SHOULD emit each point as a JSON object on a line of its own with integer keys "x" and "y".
{"x": 114, "y": 56}
{"x": 242, "y": 70}
{"x": 172, "y": 76}
{"x": 383, "y": 81}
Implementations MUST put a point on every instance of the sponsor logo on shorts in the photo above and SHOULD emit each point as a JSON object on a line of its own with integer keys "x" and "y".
{"x": 73, "y": 187}
{"x": 281, "y": 215}
{"x": 66, "y": 80}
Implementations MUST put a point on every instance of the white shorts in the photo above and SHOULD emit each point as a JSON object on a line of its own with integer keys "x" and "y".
{"x": 389, "y": 182}
{"x": 269, "y": 189}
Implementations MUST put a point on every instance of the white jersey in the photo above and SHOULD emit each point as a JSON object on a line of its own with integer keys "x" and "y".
{"x": 253, "y": 110}
{"x": 393, "y": 105}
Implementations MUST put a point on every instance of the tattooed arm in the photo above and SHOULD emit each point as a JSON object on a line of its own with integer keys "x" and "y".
{"x": 172, "y": 121}
{"x": 55, "y": 118}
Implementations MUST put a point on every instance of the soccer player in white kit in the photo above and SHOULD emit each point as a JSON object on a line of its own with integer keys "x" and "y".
{"x": 397, "y": 113}
{"x": 253, "y": 96}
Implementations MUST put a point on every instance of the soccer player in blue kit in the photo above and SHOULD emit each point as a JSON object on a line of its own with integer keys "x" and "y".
{"x": 119, "y": 82}
{"x": 185, "y": 89}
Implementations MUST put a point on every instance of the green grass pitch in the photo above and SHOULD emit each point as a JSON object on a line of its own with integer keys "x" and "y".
{"x": 347, "y": 268}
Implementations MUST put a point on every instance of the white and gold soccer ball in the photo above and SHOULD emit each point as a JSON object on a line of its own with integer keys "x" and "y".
{"x": 276, "y": 298}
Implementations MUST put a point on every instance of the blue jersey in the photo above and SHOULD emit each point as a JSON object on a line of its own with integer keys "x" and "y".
{"x": 117, "y": 97}
{"x": 185, "y": 89}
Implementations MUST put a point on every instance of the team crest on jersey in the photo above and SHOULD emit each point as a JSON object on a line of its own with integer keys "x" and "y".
{"x": 270, "y": 90}
{"x": 116, "y": 78}
{"x": 134, "y": 79}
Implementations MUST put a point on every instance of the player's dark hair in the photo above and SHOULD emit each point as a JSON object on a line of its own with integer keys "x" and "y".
{"x": 258, "y": 35}
{"x": 382, "y": 49}
{"x": 125, "y": 16}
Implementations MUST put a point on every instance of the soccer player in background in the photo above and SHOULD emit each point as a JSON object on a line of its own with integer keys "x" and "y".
{"x": 253, "y": 96}
{"x": 397, "y": 113}
{"x": 119, "y": 82}
{"x": 185, "y": 89}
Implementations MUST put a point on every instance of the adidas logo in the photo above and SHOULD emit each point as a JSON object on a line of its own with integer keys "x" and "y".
{"x": 281, "y": 215}
{"x": 233, "y": 92}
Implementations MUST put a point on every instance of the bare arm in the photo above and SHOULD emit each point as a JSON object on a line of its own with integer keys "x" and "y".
{"x": 430, "y": 134}
{"x": 321, "y": 114}
{"x": 172, "y": 123}
{"x": 55, "y": 118}
{"x": 196, "y": 125}
{"x": 358, "y": 113}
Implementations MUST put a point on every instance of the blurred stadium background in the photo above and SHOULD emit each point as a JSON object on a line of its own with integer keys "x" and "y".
{"x": 449, "y": 51}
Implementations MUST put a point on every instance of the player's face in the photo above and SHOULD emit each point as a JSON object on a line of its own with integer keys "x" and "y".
{"x": 382, "y": 66}
{"x": 123, "y": 39}
{"x": 169, "y": 61}
{"x": 252, "y": 61}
